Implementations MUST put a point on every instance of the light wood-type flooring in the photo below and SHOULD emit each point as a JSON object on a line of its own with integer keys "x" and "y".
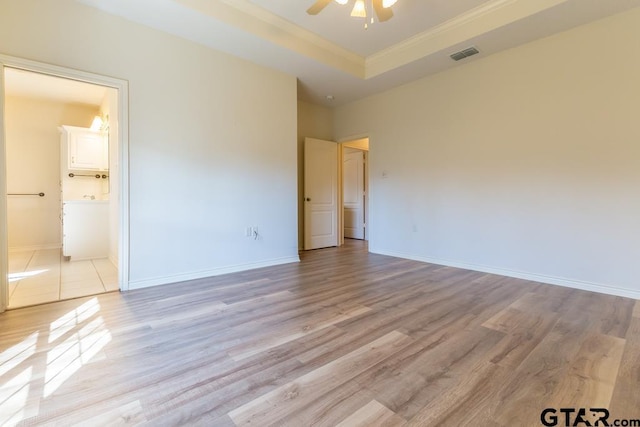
{"x": 343, "y": 338}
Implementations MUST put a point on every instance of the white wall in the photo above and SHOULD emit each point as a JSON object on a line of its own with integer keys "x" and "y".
{"x": 314, "y": 121}
{"x": 525, "y": 163}
{"x": 212, "y": 144}
{"x": 33, "y": 166}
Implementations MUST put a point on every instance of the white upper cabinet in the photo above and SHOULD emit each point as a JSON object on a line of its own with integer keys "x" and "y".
{"x": 86, "y": 149}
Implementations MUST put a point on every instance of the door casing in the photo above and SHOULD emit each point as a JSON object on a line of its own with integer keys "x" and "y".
{"x": 353, "y": 193}
{"x": 354, "y": 141}
{"x": 122, "y": 87}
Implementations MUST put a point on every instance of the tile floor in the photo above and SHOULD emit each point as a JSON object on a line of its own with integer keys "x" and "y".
{"x": 36, "y": 277}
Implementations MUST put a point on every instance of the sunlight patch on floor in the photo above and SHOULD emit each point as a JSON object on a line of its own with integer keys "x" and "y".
{"x": 74, "y": 340}
{"x": 14, "y": 356}
{"x": 15, "y": 277}
{"x": 79, "y": 348}
{"x": 14, "y": 397}
{"x": 75, "y": 317}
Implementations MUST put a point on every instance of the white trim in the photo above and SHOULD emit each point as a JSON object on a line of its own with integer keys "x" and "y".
{"x": 480, "y": 20}
{"x": 342, "y": 142}
{"x": 113, "y": 259}
{"x": 123, "y": 152}
{"x": 473, "y": 23}
{"x": 202, "y": 274}
{"x": 354, "y": 137}
{"x": 54, "y": 70}
{"x": 251, "y": 18}
{"x": 551, "y": 280}
{"x": 4, "y": 242}
{"x": 35, "y": 248}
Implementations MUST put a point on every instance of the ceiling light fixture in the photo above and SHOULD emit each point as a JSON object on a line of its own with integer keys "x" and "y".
{"x": 96, "y": 124}
{"x": 361, "y": 9}
{"x": 100, "y": 123}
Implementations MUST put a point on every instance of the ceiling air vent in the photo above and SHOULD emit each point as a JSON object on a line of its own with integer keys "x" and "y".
{"x": 464, "y": 53}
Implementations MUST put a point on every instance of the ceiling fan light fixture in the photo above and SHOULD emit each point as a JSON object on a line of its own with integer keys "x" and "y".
{"x": 366, "y": 9}
{"x": 359, "y": 10}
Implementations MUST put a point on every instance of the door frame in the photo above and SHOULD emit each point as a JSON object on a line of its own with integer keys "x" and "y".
{"x": 122, "y": 86}
{"x": 362, "y": 158}
{"x": 341, "y": 145}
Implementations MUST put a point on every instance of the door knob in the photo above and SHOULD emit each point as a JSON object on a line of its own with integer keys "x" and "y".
{"x": 308, "y": 199}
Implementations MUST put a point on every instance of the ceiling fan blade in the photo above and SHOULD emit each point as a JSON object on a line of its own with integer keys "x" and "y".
{"x": 318, "y": 6}
{"x": 384, "y": 14}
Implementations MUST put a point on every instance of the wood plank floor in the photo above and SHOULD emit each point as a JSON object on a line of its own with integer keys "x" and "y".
{"x": 343, "y": 338}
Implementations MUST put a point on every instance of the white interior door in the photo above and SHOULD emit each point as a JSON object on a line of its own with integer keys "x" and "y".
{"x": 353, "y": 181}
{"x": 320, "y": 193}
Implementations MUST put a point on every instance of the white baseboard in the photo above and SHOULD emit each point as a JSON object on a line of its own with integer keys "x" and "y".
{"x": 139, "y": 284}
{"x": 114, "y": 259}
{"x": 35, "y": 247}
{"x": 551, "y": 280}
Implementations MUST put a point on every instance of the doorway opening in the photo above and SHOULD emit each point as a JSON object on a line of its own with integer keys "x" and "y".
{"x": 355, "y": 185}
{"x": 63, "y": 171}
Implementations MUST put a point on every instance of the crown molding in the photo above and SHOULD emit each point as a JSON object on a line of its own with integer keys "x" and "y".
{"x": 262, "y": 23}
{"x": 244, "y": 15}
{"x": 487, "y": 17}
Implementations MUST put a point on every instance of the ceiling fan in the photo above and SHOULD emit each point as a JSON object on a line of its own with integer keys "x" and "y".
{"x": 381, "y": 7}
